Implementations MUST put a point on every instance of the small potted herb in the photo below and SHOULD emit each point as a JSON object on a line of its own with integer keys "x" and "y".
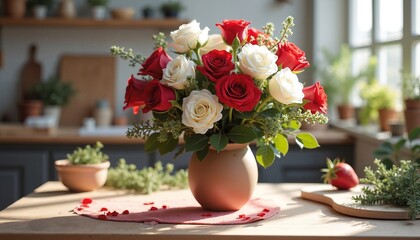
{"x": 85, "y": 169}
{"x": 411, "y": 95}
{"x": 171, "y": 9}
{"x": 54, "y": 94}
{"x": 147, "y": 11}
{"x": 98, "y": 8}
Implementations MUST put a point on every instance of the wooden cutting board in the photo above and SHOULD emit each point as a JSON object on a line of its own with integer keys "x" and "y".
{"x": 93, "y": 77}
{"x": 340, "y": 201}
{"x": 31, "y": 73}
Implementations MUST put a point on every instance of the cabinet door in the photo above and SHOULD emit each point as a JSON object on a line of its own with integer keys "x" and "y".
{"x": 20, "y": 173}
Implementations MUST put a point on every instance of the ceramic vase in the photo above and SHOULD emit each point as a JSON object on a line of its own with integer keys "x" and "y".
{"x": 225, "y": 180}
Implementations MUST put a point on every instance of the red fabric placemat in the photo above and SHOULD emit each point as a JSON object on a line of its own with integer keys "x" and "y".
{"x": 175, "y": 211}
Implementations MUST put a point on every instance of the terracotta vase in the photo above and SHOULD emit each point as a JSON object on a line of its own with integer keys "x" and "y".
{"x": 82, "y": 178}
{"x": 386, "y": 116}
{"x": 224, "y": 181}
{"x": 30, "y": 108}
{"x": 412, "y": 114}
{"x": 345, "y": 111}
{"x": 14, "y": 8}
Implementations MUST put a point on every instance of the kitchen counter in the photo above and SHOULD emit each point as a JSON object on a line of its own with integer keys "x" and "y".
{"x": 45, "y": 214}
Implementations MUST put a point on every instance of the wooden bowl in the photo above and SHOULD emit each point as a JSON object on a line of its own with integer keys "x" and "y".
{"x": 123, "y": 13}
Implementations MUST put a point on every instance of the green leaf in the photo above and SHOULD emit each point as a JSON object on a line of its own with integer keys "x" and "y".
{"x": 168, "y": 146}
{"x": 196, "y": 142}
{"x": 414, "y": 134}
{"x": 152, "y": 143}
{"x": 242, "y": 115}
{"x": 271, "y": 112}
{"x": 281, "y": 144}
{"x": 307, "y": 140}
{"x": 265, "y": 156}
{"x": 175, "y": 104}
{"x": 218, "y": 141}
{"x": 295, "y": 125}
{"x": 400, "y": 144}
{"x": 161, "y": 115}
{"x": 241, "y": 134}
{"x": 201, "y": 154}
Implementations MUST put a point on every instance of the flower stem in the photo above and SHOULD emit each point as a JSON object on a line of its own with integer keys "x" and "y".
{"x": 264, "y": 102}
{"x": 230, "y": 114}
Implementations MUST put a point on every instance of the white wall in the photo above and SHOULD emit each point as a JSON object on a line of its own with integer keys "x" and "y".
{"x": 55, "y": 41}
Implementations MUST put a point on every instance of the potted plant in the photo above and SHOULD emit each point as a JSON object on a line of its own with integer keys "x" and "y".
{"x": 98, "y": 8}
{"x": 85, "y": 169}
{"x": 40, "y": 8}
{"x": 380, "y": 101}
{"x": 147, "y": 11}
{"x": 171, "y": 9}
{"x": 411, "y": 95}
{"x": 339, "y": 81}
{"x": 54, "y": 94}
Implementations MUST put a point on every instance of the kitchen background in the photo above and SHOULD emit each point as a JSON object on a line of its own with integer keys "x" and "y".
{"x": 319, "y": 24}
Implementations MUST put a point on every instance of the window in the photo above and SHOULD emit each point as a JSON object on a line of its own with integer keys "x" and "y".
{"x": 390, "y": 30}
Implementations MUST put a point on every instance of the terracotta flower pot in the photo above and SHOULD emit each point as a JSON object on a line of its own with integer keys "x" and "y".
{"x": 385, "y": 117}
{"x": 224, "y": 181}
{"x": 412, "y": 114}
{"x": 82, "y": 178}
{"x": 345, "y": 111}
{"x": 30, "y": 108}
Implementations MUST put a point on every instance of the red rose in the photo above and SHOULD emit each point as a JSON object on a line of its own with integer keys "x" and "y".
{"x": 154, "y": 65}
{"x": 216, "y": 64}
{"x": 253, "y": 34}
{"x": 317, "y": 98}
{"x": 134, "y": 94}
{"x": 232, "y": 29}
{"x": 157, "y": 97}
{"x": 289, "y": 55}
{"x": 238, "y": 91}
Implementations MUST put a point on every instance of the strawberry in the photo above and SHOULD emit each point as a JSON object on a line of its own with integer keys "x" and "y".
{"x": 340, "y": 174}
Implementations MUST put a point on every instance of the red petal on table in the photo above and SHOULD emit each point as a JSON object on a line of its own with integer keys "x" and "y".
{"x": 125, "y": 212}
{"x": 114, "y": 213}
{"x": 102, "y": 217}
{"x": 109, "y": 213}
{"x": 104, "y": 209}
{"x": 148, "y": 203}
{"x": 164, "y": 206}
{"x": 206, "y": 215}
{"x": 261, "y": 214}
{"x": 246, "y": 218}
{"x": 79, "y": 209}
{"x": 241, "y": 216}
{"x": 153, "y": 209}
{"x": 266, "y": 210}
{"x": 86, "y": 200}
{"x": 84, "y": 205}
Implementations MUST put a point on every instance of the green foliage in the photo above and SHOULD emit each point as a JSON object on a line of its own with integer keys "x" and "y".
{"x": 54, "y": 92}
{"x": 337, "y": 77}
{"x": 146, "y": 180}
{"x": 411, "y": 87}
{"x": 88, "y": 155}
{"x": 376, "y": 96}
{"x": 128, "y": 55}
{"x": 171, "y": 6}
{"x": 390, "y": 153}
{"x": 98, "y": 2}
{"x": 399, "y": 186}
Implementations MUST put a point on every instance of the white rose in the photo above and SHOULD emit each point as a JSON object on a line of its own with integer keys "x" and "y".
{"x": 285, "y": 87}
{"x": 177, "y": 72}
{"x": 257, "y": 61}
{"x": 201, "y": 110}
{"x": 188, "y": 35}
{"x": 215, "y": 42}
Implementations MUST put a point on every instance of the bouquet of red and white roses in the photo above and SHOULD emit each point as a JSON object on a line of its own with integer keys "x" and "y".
{"x": 235, "y": 87}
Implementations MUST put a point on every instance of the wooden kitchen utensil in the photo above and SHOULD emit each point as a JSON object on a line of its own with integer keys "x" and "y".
{"x": 340, "y": 201}
{"x": 31, "y": 73}
{"x": 93, "y": 77}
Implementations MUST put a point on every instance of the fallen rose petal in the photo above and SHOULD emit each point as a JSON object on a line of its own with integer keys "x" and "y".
{"x": 125, "y": 212}
{"x": 114, "y": 213}
{"x": 86, "y": 200}
{"x": 266, "y": 210}
{"x": 109, "y": 213}
{"x": 153, "y": 209}
{"x": 84, "y": 205}
{"x": 261, "y": 214}
{"x": 242, "y": 216}
{"x": 79, "y": 209}
{"x": 104, "y": 209}
{"x": 102, "y": 217}
{"x": 148, "y": 203}
{"x": 164, "y": 206}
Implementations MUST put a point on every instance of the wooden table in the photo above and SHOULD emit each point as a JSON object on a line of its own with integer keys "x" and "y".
{"x": 45, "y": 214}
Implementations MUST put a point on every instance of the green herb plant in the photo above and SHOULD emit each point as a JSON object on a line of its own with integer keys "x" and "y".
{"x": 54, "y": 92}
{"x": 98, "y": 2}
{"x": 395, "y": 181}
{"x": 88, "y": 155}
{"x": 411, "y": 86}
{"x": 146, "y": 180}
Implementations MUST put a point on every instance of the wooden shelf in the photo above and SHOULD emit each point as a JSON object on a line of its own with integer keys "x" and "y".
{"x": 87, "y": 22}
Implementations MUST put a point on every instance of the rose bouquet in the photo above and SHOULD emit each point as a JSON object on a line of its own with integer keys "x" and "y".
{"x": 239, "y": 86}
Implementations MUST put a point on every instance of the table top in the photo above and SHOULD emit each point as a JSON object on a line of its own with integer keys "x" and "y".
{"x": 46, "y": 214}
